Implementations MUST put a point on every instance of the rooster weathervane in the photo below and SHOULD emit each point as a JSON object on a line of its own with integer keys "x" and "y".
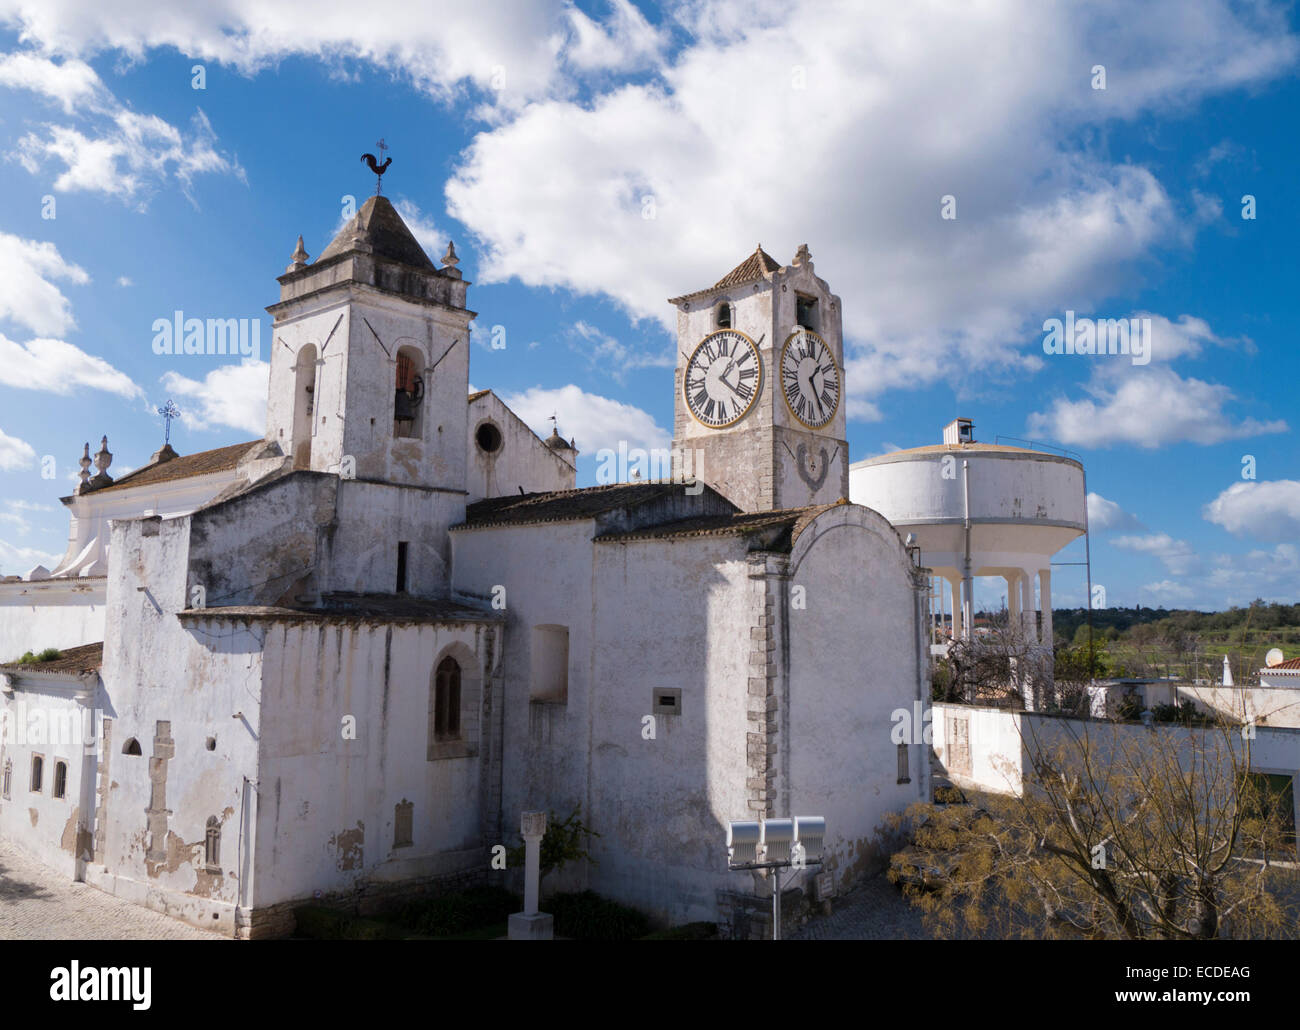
{"x": 376, "y": 167}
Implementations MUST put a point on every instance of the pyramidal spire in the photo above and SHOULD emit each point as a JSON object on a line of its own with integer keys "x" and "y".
{"x": 298, "y": 260}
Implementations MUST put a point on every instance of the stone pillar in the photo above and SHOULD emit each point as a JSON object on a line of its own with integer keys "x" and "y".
{"x": 1013, "y": 600}
{"x": 530, "y": 924}
{"x": 1028, "y": 621}
{"x": 1045, "y": 600}
{"x": 955, "y": 607}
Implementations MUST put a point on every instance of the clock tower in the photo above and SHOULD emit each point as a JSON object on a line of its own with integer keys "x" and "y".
{"x": 759, "y": 412}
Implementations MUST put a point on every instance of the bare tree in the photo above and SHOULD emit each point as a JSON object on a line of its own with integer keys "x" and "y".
{"x": 1117, "y": 831}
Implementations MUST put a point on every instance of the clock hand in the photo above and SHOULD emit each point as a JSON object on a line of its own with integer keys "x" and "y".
{"x": 813, "y": 390}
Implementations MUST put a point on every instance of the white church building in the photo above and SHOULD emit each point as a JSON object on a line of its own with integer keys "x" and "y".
{"x": 340, "y": 661}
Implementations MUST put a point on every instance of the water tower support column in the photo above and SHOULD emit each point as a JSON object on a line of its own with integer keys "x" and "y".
{"x": 1045, "y": 596}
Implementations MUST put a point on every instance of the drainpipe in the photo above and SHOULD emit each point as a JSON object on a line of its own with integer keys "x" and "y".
{"x": 967, "y": 585}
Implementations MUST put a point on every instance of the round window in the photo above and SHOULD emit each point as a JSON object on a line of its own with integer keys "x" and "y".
{"x": 488, "y": 438}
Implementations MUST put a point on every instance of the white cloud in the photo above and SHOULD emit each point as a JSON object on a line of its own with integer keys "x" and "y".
{"x": 1104, "y": 515}
{"x": 128, "y": 157}
{"x": 438, "y": 47}
{"x": 15, "y": 453}
{"x": 73, "y": 84}
{"x": 1268, "y": 510}
{"x": 1147, "y": 407}
{"x": 124, "y": 281}
{"x": 1166, "y": 591}
{"x": 18, "y": 505}
{"x": 59, "y": 367}
{"x": 917, "y": 100}
{"x": 1178, "y": 556}
{"x": 28, "y": 296}
{"x": 594, "y": 422}
{"x": 626, "y": 42}
{"x": 610, "y": 355}
{"x": 231, "y": 395}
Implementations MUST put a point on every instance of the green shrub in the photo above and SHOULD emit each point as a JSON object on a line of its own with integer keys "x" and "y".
{"x": 326, "y": 924}
{"x": 459, "y": 912}
{"x": 48, "y": 655}
{"x": 586, "y": 916}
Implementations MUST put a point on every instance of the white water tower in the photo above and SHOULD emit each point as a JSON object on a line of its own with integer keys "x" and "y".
{"x": 981, "y": 509}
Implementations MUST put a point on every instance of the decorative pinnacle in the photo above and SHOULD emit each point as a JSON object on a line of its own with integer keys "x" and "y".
{"x": 85, "y": 463}
{"x": 104, "y": 458}
{"x": 299, "y": 258}
{"x": 450, "y": 257}
{"x": 802, "y": 256}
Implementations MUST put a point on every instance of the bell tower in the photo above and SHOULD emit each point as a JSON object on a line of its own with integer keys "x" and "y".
{"x": 759, "y": 386}
{"x": 370, "y": 357}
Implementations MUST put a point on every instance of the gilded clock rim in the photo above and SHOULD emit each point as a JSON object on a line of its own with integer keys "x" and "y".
{"x": 758, "y": 388}
{"x": 838, "y": 370}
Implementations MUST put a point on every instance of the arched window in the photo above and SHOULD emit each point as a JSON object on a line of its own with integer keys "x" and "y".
{"x": 410, "y": 392}
{"x": 8, "y": 779}
{"x": 304, "y": 404}
{"x": 212, "y": 845}
{"x": 60, "y": 779}
{"x": 38, "y": 772}
{"x": 724, "y": 315}
{"x": 446, "y": 700}
{"x": 131, "y": 747}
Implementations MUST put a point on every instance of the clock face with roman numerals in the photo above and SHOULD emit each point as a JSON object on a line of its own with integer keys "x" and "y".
{"x": 810, "y": 379}
{"x": 723, "y": 378}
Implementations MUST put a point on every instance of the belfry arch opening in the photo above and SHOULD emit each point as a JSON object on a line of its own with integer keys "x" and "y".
{"x": 304, "y": 405}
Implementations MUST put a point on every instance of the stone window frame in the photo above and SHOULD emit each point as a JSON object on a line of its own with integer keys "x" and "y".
{"x": 724, "y": 307}
{"x": 412, "y": 353}
{"x": 904, "y": 763}
{"x": 126, "y": 747}
{"x": 36, "y": 780}
{"x": 57, "y": 790}
{"x": 7, "y": 778}
{"x": 466, "y": 744}
{"x": 408, "y": 840}
{"x": 212, "y": 845}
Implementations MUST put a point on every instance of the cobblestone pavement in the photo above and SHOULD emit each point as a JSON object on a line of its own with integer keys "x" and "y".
{"x": 875, "y": 910}
{"x": 37, "y": 903}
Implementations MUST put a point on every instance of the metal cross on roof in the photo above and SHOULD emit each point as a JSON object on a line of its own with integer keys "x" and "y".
{"x": 168, "y": 411}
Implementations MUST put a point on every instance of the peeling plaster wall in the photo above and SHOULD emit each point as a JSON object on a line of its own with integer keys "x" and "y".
{"x": 326, "y": 804}
{"x": 204, "y": 678}
{"x": 523, "y": 460}
{"x": 372, "y": 518}
{"x": 279, "y": 560}
{"x": 49, "y": 721}
{"x": 59, "y": 613}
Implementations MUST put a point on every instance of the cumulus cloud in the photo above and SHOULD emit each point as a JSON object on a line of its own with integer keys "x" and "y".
{"x": 129, "y": 156}
{"x": 613, "y": 357}
{"x": 230, "y": 395}
{"x": 626, "y": 41}
{"x": 29, "y": 297}
{"x": 768, "y": 124}
{"x": 1149, "y": 408}
{"x": 72, "y": 84}
{"x": 15, "y": 453}
{"x": 1267, "y": 510}
{"x": 16, "y": 560}
{"x": 59, "y": 367}
{"x": 1104, "y": 515}
{"x": 1178, "y": 556}
{"x": 594, "y": 422}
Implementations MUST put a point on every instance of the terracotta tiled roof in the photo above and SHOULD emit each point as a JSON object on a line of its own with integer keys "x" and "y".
{"x": 358, "y": 608}
{"x": 1289, "y": 664}
{"x": 480, "y": 393}
{"x": 758, "y": 265}
{"x": 380, "y": 229}
{"x": 74, "y": 660}
{"x": 562, "y": 505}
{"x": 200, "y": 463}
{"x": 755, "y": 267}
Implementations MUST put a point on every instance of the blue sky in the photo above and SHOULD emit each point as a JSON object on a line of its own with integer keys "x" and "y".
{"x": 532, "y": 136}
